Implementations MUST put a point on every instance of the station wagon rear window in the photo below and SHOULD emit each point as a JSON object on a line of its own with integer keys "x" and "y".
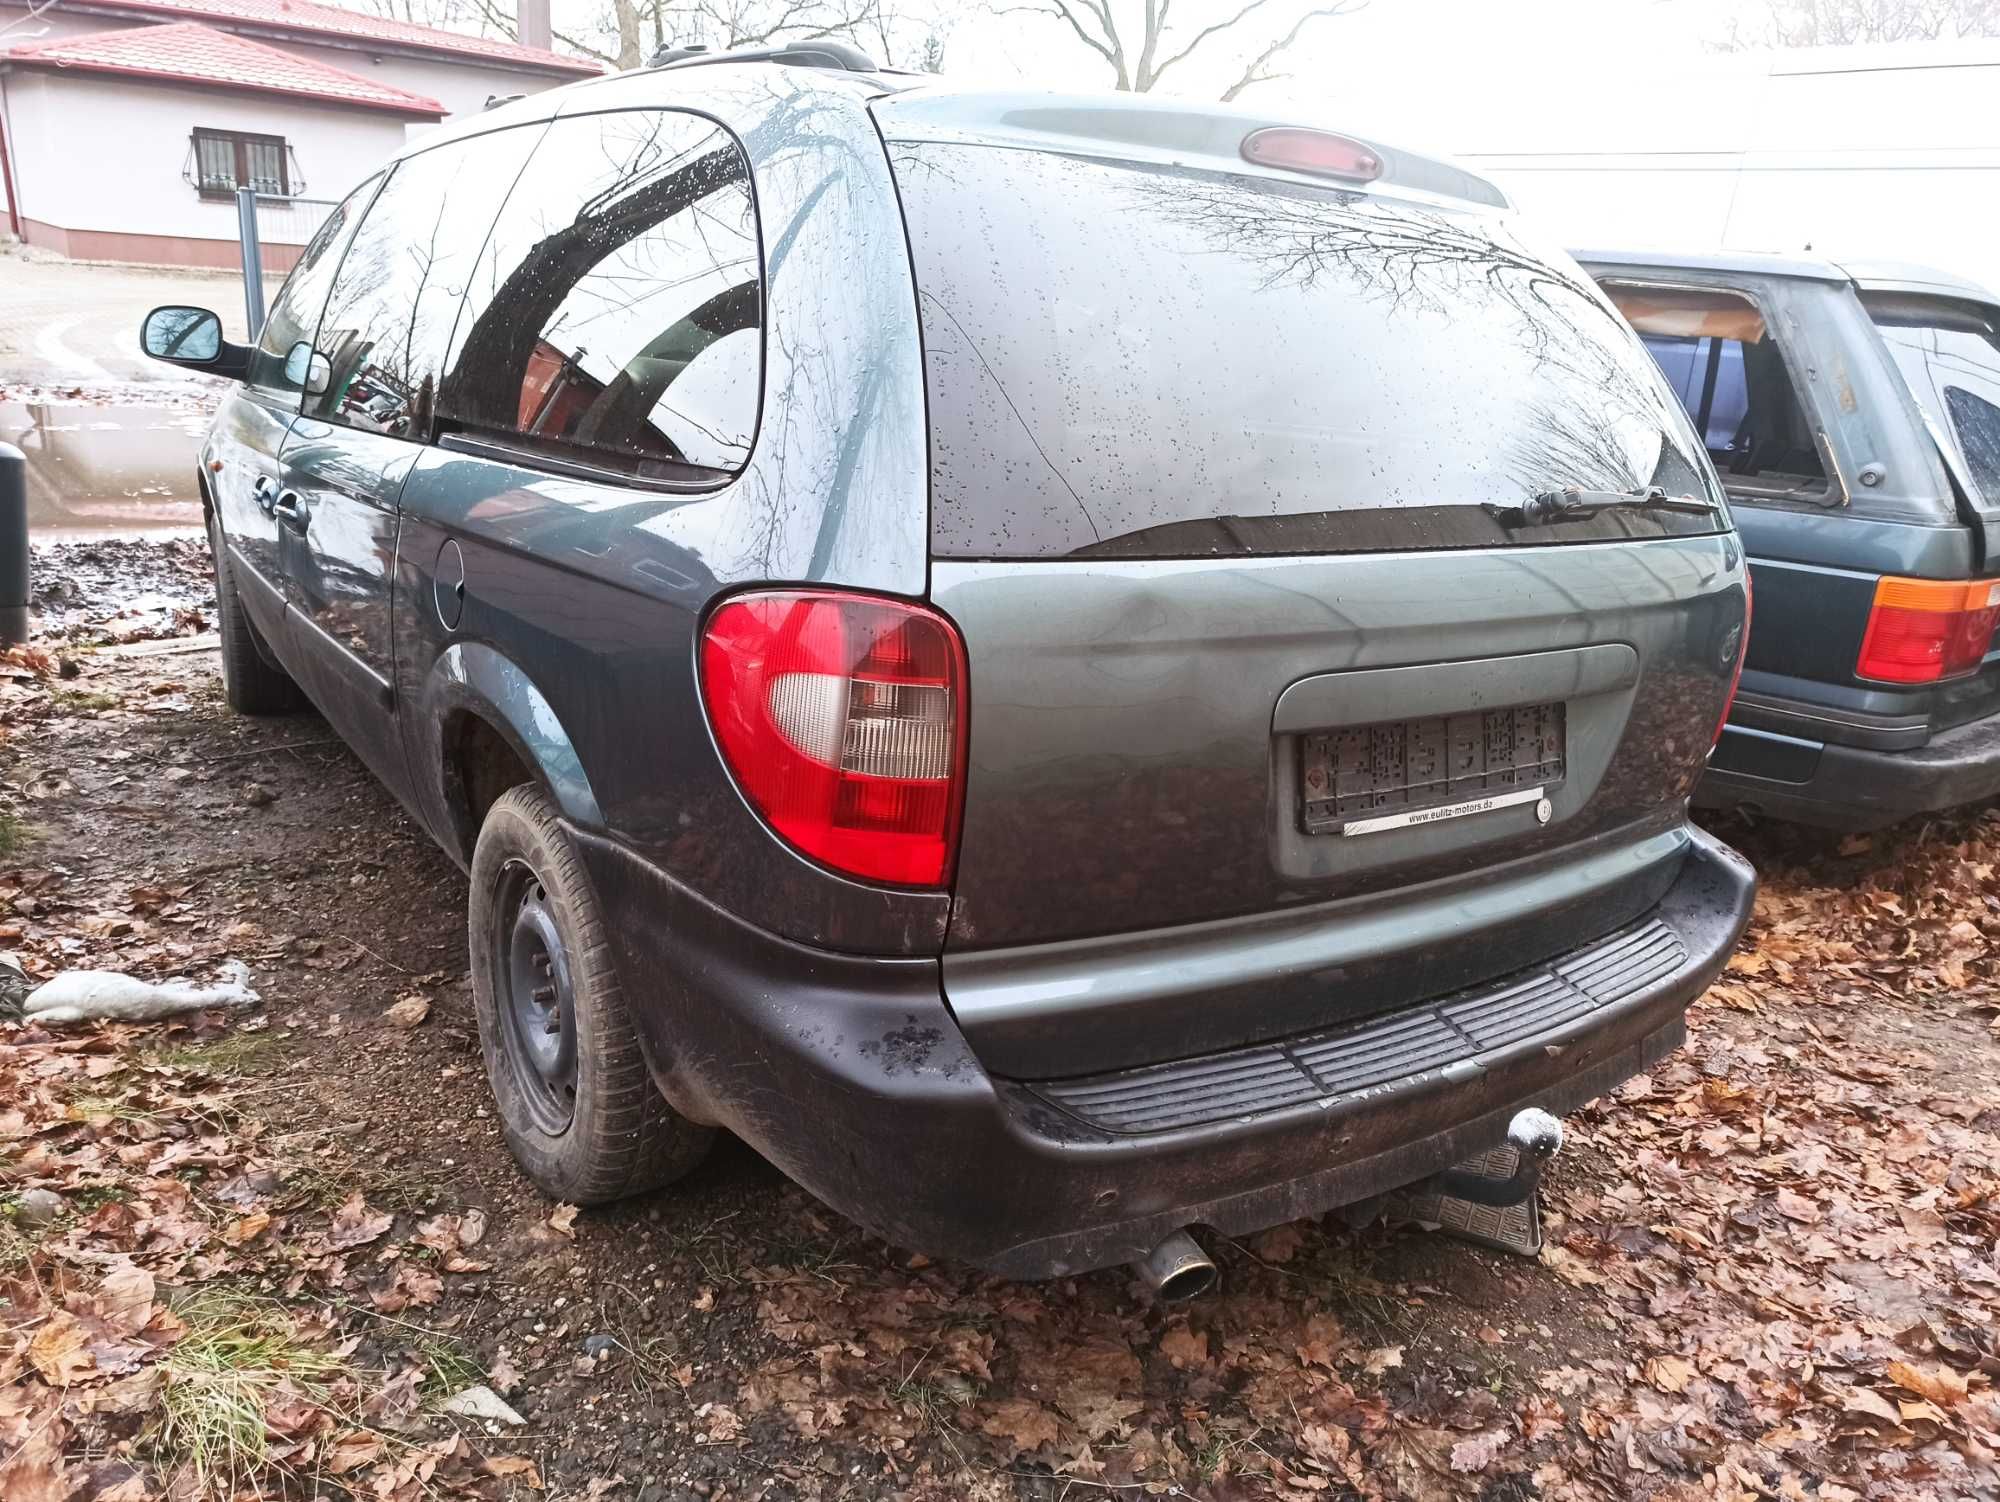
{"x": 1949, "y": 354}
{"x": 1134, "y": 360}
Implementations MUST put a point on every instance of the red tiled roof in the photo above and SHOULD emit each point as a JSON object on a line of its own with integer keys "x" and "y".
{"x": 305, "y": 18}
{"x": 187, "y": 53}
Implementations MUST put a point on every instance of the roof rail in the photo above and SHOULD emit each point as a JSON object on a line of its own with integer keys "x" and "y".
{"x": 818, "y": 52}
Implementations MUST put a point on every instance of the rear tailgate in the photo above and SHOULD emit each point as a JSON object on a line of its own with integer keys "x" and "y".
{"x": 1228, "y": 475}
{"x": 1141, "y": 828}
{"x": 1947, "y": 351}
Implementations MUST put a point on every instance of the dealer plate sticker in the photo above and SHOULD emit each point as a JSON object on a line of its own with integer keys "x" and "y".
{"x": 1450, "y": 811}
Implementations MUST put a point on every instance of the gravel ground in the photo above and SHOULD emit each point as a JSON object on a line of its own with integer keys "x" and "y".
{"x": 1773, "y": 1266}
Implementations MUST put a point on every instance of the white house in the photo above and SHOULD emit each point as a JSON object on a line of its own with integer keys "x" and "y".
{"x": 126, "y": 126}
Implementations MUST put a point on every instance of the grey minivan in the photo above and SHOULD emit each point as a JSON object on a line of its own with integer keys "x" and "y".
{"x": 1854, "y": 411}
{"x": 1067, "y": 668}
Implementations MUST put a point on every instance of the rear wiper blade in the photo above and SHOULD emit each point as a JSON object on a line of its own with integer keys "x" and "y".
{"x": 1576, "y": 504}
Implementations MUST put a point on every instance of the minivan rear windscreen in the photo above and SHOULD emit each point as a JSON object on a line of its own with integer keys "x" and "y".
{"x": 1139, "y": 361}
{"x": 1949, "y": 354}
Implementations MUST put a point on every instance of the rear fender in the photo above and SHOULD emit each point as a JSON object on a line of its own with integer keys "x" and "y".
{"x": 473, "y": 678}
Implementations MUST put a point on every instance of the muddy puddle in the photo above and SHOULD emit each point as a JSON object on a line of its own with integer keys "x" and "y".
{"x": 106, "y": 469}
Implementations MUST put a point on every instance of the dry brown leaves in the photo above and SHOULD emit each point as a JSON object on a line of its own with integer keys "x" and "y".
{"x": 1801, "y": 1228}
{"x": 162, "y": 1180}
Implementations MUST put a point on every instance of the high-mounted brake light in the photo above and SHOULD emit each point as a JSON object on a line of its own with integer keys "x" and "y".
{"x": 1320, "y": 152}
{"x": 1926, "y": 630}
{"x": 843, "y": 719}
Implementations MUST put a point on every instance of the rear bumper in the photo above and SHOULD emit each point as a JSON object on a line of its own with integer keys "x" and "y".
{"x": 851, "y": 1075}
{"x": 1850, "y": 787}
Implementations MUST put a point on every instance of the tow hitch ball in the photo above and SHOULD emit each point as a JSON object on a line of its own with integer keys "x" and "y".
{"x": 1536, "y": 1137}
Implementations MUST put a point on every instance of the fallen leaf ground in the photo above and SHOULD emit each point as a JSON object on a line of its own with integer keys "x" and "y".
{"x": 277, "y": 1241}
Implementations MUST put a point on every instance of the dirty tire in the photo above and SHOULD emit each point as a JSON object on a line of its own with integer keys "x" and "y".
{"x": 250, "y": 685}
{"x": 621, "y": 1137}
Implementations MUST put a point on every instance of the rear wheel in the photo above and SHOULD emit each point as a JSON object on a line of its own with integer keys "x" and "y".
{"x": 251, "y": 684}
{"x": 577, "y": 1106}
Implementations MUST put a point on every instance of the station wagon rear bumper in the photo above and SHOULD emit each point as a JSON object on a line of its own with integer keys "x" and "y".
{"x": 851, "y": 1075}
{"x": 1851, "y": 787}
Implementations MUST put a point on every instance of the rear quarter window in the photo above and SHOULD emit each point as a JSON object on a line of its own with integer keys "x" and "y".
{"x": 1948, "y": 353}
{"x": 1145, "y": 361}
{"x": 616, "y": 316}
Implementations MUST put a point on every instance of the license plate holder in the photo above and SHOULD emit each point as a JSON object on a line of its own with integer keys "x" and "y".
{"x": 1367, "y": 779}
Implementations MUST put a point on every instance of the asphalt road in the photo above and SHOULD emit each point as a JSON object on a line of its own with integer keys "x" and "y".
{"x": 70, "y": 322}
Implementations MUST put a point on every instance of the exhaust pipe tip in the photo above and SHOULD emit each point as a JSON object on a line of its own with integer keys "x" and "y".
{"x": 1177, "y": 1269}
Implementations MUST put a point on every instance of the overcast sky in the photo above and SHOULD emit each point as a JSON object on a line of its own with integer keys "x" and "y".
{"x": 1442, "y": 74}
{"x": 1616, "y": 122}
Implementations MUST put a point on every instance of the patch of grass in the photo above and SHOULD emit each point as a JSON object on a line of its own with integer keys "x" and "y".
{"x": 316, "y": 1184}
{"x": 82, "y": 699}
{"x": 1208, "y": 1460}
{"x": 16, "y": 1245}
{"x": 713, "y": 1250}
{"x": 86, "y": 1106}
{"x": 448, "y": 1366}
{"x": 233, "y": 1053}
{"x": 1341, "y": 1270}
{"x": 13, "y": 833}
{"x": 87, "y": 1198}
{"x": 936, "y": 1403}
{"x": 209, "y": 1110}
{"x": 238, "y": 1353}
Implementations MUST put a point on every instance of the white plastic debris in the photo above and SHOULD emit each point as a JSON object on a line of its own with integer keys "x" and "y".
{"x": 482, "y": 1403}
{"x": 109, "y": 995}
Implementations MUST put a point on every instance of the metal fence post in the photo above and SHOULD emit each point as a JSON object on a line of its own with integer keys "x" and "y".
{"x": 253, "y": 260}
{"x": 13, "y": 546}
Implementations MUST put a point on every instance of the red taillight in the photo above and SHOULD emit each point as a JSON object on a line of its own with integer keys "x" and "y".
{"x": 843, "y": 719}
{"x": 1736, "y": 673}
{"x": 1924, "y": 630}
{"x": 1319, "y": 152}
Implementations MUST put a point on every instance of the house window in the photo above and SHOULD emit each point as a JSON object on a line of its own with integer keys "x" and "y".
{"x": 227, "y": 160}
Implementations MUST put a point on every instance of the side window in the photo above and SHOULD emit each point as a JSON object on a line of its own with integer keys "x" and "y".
{"x": 616, "y": 316}
{"x": 1976, "y": 421}
{"x": 389, "y": 316}
{"x": 1727, "y": 368}
{"x": 278, "y": 364}
{"x": 1948, "y": 351}
{"x": 1706, "y": 372}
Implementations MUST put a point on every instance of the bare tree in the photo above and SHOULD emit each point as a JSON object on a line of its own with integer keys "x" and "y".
{"x": 624, "y": 33}
{"x": 1833, "y": 23}
{"x": 1142, "y": 49}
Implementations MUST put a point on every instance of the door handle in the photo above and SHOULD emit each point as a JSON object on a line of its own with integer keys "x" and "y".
{"x": 260, "y": 491}
{"x": 291, "y": 513}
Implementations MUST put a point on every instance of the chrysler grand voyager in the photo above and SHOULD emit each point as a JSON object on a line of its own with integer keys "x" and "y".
{"x": 1067, "y": 668}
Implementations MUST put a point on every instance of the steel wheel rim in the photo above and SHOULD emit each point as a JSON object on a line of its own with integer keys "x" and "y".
{"x": 536, "y": 1000}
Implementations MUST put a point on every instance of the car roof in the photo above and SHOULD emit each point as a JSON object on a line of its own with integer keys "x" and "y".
{"x": 1868, "y": 275}
{"x": 1140, "y": 127}
{"x": 921, "y": 107}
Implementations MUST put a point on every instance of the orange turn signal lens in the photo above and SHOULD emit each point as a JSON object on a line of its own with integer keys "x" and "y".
{"x": 1925, "y": 630}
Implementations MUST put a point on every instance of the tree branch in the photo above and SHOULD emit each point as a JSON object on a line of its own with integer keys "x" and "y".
{"x": 1060, "y": 9}
{"x": 1255, "y": 74}
{"x": 1208, "y": 31}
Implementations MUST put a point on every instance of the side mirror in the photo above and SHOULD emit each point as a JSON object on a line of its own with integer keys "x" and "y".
{"x": 192, "y": 337}
{"x": 190, "y": 334}
{"x": 307, "y": 369}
